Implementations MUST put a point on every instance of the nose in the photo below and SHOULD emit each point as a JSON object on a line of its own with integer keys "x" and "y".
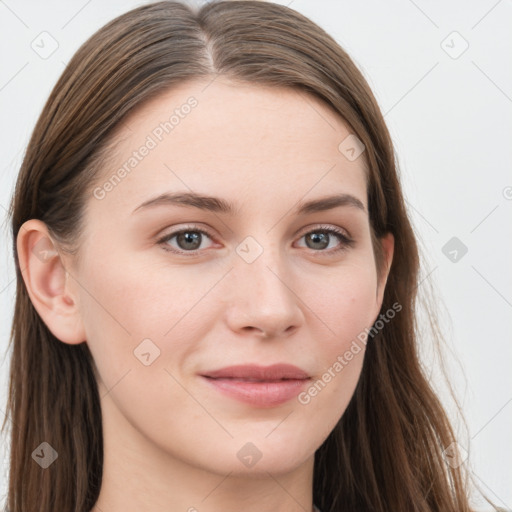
{"x": 262, "y": 299}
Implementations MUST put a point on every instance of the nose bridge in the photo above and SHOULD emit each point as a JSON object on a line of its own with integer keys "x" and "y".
{"x": 259, "y": 261}
{"x": 264, "y": 297}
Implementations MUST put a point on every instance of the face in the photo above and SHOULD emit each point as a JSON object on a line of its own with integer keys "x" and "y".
{"x": 173, "y": 290}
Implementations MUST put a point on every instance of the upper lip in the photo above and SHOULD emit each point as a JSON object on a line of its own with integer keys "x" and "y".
{"x": 255, "y": 372}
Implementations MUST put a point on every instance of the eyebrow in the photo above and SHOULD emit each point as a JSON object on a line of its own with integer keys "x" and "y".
{"x": 218, "y": 205}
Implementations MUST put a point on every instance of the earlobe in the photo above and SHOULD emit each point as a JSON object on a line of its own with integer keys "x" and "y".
{"x": 46, "y": 280}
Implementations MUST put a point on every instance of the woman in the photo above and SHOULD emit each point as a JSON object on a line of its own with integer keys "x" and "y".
{"x": 217, "y": 281}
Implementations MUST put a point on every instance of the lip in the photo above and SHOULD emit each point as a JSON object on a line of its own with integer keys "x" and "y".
{"x": 260, "y": 386}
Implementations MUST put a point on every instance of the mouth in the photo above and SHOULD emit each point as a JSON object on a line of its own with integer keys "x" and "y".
{"x": 258, "y": 386}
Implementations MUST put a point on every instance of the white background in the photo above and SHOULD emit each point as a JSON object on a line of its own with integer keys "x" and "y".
{"x": 451, "y": 122}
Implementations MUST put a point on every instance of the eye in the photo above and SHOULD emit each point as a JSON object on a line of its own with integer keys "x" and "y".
{"x": 189, "y": 240}
{"x": 320, "y": 238}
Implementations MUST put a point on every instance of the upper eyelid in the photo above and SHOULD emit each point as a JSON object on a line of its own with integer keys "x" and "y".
{"x": 305, "y": 230}
{"x": 322, "y": 227}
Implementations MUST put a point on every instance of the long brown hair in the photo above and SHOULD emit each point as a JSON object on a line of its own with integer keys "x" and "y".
{"x": 386, "y": 452}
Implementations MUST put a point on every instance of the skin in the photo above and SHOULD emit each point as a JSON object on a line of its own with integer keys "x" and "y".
{"x": 167, "y": 434}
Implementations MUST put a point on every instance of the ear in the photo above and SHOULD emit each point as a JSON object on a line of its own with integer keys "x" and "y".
{"x": 388, "y": 247}
{"x": 47, "y": 283}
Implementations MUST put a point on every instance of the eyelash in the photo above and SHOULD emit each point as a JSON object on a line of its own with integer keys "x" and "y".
{"x": 345, "y": 241}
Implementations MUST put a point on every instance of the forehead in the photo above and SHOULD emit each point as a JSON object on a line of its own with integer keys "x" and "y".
{"x": 247, "y": 141}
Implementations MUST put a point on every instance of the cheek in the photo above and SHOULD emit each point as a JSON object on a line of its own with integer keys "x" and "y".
{"x": 348, "y": 307}
{"x": 347, "y": 302}
{"x": 126, "y": 300}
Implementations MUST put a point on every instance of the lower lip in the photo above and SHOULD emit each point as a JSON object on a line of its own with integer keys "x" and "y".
{"x": 260, "y": 394}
